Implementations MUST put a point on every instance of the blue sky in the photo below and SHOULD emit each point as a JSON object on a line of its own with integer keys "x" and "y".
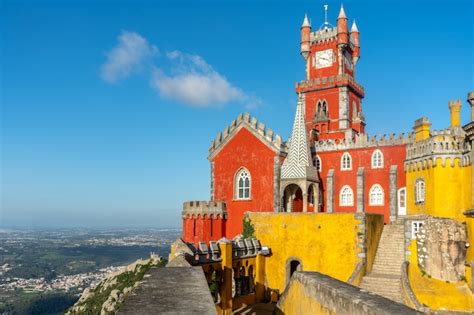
{"x": 108, "y": 108}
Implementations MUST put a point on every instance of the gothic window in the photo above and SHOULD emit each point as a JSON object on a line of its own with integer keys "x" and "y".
{"x": 419, "y": 191}
{"x": 377, "y": 159}
{"x": 376, "y": 195}
{"x": 322, "y": 109}
{"x": 346, "y": 197}
{"x": 317, "y": 162}
{"x": 242, "y": 184}
{"x": 346, "y": 162}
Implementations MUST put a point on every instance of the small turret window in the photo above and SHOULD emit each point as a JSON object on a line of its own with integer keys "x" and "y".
{"x": 376, "y": 195}
{"x": 346, "y": 197}
{"x": 420, "y": 191}
{"x": 346, "y": 162}
{"x": 377, "y": 159}
{"x": 317, "y": 162}
{"x": 242, "y": 184}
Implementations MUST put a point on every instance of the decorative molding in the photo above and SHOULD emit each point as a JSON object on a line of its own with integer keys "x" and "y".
{"x": 362, "y": 141}
{"x": 360, "y": 189}
{"x": 266, "y": 135}
{"x": 393, "y": 192}
{"x": 330, "y": 191}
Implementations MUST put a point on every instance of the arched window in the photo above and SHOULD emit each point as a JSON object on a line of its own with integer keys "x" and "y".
{"x": 419, "y": 191}
{"x": 242, "y": 184}
{"x": 317, "y": 162}
{"x": 346, "y": 197}
{"x": 377, "y": 159}
{"x": 346, "y": 161}
{"x": 376, "y": 195}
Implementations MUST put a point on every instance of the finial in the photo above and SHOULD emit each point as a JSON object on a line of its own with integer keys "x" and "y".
{"x": 342, "y": 14}
{"x": 354, "y": 28}
{"x": 306, "y": 22}
{"x": 326, "y": 16}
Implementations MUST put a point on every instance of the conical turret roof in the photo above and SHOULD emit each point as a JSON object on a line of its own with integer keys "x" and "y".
{"x": 354, "y": 28}
{"x": 342, "y": 14}
{"x": 306, "y": 22}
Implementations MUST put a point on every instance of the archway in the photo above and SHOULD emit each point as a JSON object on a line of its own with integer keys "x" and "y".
{"x": 293, "y": 198}
{"x": 293, "y": 264}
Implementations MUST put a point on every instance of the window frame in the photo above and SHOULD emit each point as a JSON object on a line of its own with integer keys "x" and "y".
{"x": 343, "y": 166}
{"x": 376, "y": 153}
{"x": 244, "y": 188}
{"x": 348, "y": 203}
{"x": 420, "y": 191}
{"x": 380, "y": 202}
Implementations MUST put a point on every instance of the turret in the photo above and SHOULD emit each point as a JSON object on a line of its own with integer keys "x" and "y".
{"x": 342, "y": 36}
{"x": 422, "y": 129}
{"x": 305, "y": 37}
{"x": 455, "y": 110}
{"x": 355, "y": 42}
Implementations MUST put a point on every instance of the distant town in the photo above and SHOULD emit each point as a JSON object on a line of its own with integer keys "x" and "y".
{"x": 37, "y": 263}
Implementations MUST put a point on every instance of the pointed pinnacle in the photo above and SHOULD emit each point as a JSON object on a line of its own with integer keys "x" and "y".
{"x": 306, "y": 22}
{"x": 354, "y": 28}
{"x": 342, "y": 14}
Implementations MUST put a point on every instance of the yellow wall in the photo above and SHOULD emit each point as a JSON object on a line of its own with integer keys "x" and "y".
{"x": 373, "y": 228}
{"x": 437, "y": 294}
{"x": 326, "y": 243}
{"x": 470, "y": 237}
{"x": 297, "y": 301}
{"x": 448, "y": 190}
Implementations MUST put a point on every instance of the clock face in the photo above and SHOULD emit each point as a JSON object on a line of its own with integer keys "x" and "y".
{"x": 324, "y": 59}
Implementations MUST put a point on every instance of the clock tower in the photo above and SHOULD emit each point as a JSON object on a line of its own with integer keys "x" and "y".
{"x": 333, "y": 97}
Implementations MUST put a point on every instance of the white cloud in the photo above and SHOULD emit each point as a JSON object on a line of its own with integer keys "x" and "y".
{"x": 126, "y": 57}
{"x": 194, "y": 82}
{"x": 188, "y": 78}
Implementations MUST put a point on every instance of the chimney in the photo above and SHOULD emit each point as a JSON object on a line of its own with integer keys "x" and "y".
{"x": 422, "y": 129}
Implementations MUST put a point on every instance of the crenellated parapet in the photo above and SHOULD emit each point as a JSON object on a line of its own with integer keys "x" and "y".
{"x": 324, "y": 35}
{"x": 329, "y": 82}
{"x": 210, "y": 209}
{"x": 254, "y": 126}
{"x": 446, "y": 146}
{"x": 363, "y": 141}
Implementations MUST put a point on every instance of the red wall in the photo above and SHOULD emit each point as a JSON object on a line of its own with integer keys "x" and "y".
{"x": 393, "y": 155}
{"x": 244, "y": 150}
{"x": 203, "y": 229}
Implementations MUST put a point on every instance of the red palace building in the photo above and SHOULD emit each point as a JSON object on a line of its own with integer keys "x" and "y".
{"x": 328, "y": 165}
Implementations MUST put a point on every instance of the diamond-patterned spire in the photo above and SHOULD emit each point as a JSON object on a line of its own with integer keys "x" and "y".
{"x": 298, "y": 158}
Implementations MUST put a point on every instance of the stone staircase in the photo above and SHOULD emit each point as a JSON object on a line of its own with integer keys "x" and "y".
{"x": 385, "y": 277}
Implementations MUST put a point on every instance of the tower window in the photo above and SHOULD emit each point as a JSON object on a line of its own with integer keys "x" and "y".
{"x": 346, "y": 197}
{"x": 377, "y": 159}
{"x": 346, "y": 162}
{"x": 242, "y": 184}
{"x": 376, "y": 195}
{"x": 317, "y": 162}
{"x": 419, "y": 191}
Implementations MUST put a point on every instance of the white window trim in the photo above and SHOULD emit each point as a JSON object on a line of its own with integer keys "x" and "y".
{"x": 351, "y": 201}
{"x": 420, "y": 196}
{"x": 371, "y": 190}
{"x": 381, "y": 159}
{"x": 236, "y": 184}
{"x": 343, "y": 168}
{"x": 402, "y": 210}
{"x": 415, "y": 228}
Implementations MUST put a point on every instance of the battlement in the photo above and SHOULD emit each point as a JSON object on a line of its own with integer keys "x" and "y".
{"x": 256, "y": 127}
{"x": 454, "y": 104}
{"x": 324, "y": 35}
{"x": 329, "y": 82}
{"x": 363, "y": 141}
{"x": 240, "y": 249}
{"x": 442, "y": 142}
{"x": 213, "y": 209}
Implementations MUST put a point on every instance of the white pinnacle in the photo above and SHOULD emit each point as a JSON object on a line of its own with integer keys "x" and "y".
{"x": 306, "y": 22}
{"x": 342, "y": 14}
{"x": 354, "y": 28}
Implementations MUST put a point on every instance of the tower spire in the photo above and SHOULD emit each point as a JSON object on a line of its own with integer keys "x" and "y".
{"x": 298, "y": 159}
{"x": 306, "y": 21}
{"x": 342, "y": 14}
{"x": 354, "y": 28}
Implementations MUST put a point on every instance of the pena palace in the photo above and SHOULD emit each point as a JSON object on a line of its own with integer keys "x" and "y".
{"x": 317, "y": 221}
{"x": 329, "y": 164}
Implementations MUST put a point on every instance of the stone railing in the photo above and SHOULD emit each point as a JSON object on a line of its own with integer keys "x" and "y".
{"x": 240, "y": 249}
{"x": 257, "y": 127}
{"x": 323, "y": 35}
{"x": 407, "y": 292}
{"x": 208, "y": 208}
{"x": 330, "y": 81}
{"x": 363, "y": 141}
